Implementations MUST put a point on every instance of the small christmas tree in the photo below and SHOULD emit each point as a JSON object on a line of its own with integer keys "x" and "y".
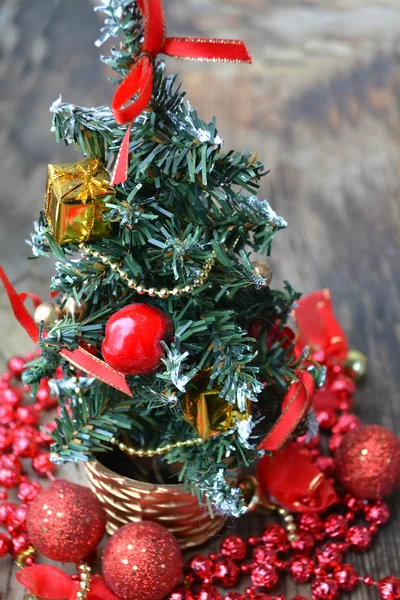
{"x": 157, "y": 278}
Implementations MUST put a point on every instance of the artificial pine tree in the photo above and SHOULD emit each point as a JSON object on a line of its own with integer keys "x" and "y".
{"x": 174, "y": 248}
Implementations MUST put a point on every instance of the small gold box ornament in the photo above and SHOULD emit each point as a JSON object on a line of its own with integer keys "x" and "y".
{"x": 207, "y": 412}
{"x": 75, "y": 201}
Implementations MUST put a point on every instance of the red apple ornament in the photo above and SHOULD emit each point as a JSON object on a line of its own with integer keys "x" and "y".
{"x": 133, "y": 335}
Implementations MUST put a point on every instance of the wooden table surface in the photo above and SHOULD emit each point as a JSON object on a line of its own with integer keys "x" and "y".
{"x": 321, "y": 105}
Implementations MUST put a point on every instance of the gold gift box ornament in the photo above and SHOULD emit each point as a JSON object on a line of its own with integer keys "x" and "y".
{"x": 207, "y": 412}
{"x": 75, "y": 201}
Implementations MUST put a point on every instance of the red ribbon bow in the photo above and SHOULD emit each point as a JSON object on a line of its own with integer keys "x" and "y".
{"x": 295, "y": 406}
{"x": 289, "y": 478}
{"x": 49, "y": 583}
{"x": 80, "y": 358}
{"x": 139, "y": 81}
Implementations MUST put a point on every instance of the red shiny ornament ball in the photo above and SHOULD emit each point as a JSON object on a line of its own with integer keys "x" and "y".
{"x": 264, "y": 576}
{"x": 329, "y": 555}
{"x": 304, "y": 543}
{"x": 15, "y": 366}
{"x": 346, "y": 576}
{"x": 142, "y": 561}
{"x": 206, "y": 592}
{"x": 27, "y": 415}
{"x": 10, "y": 471}
{"x": 6, "y": 438}
{"x": 274, "y": 536}
{"x": 234, "y": 547}
{"x": 24, "y": 444}
{"x": 66, "y": 522}
{"x": 263, "y": 554}
{"x": 389, "y": 588}
{"x": 346, "y": 423}
{"x": 6, "y": 414}
{"x": 5, "y": 545}
{"x": 18, "y": 521}
{"x": 335, "y": 442}
{"x": 336, "y": 526}
{"x": 180, "y": 593}
{"x": 19, "y": 543}
{"x": 44, "y": 397}
{"x": 12, "y": 396}
{"x": 325, "y": 589}
{"x": 359, "y": 538}
{"x": 377, "y": 513}
{"x": 133, "y": 336}
{"x": 28, "y": 491}
{"x": 327, "y": 419}
{"x": 301, "y": 569}
{"x": 325, "y": 464}
{"x": 311, "y": 522}
{"x": 368, "y": 461}
{"x": 226, "y": 572}
{"x": 7, "y": 510}
{"x": 202, "y": 566}
{"x": 42, "y": 464}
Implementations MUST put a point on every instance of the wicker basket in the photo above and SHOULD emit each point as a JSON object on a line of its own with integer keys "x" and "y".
{"x": 126, "y": 500}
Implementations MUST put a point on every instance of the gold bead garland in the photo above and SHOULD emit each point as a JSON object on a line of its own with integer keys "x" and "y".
{"x": 22, "y": 556}
{"x": 84, "y": 581}
{"x": 152, "y": 292}
{"x": 158, "y": 451}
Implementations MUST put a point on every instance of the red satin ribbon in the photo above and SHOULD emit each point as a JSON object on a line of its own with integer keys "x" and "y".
{"x": 139, "y": 81}
{"x": 80, "y": 358}
{"x": 46, "y": 582}
{"x": 289, "y": 478}
{"x": 295, "y": 406}
{"x": 319, "y": 329}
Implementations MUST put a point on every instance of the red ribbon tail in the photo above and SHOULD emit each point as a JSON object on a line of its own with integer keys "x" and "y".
{"x": 120, "y": 172}
{"x": 295, "y": 407}
{"x": 207, "y": 49}
{"x": 17, "y": 304}
{"x": 47, "y": 582}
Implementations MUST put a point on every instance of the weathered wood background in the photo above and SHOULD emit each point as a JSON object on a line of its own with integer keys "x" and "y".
{"x": 320, "y": 105}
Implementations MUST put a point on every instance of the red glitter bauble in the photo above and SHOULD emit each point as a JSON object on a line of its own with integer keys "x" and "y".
{"x": 226, "y": 572}
{"x": 336, "y": 526}
{"x": 304, "y": 543}
{"x": 66, "y": 522}
{"x": 325, "y": 589}
{"x": 368, "y": 461}
{"x": 311, "y": 522}
{"x": 42, "y": 464}
{"x": 329, "y": 555}
{"x": 377, "y": 512}
{"x": 28, "y": 490}
{"x": 389, "y": 588}
{"x": 234, "y": 547}
{"x": 5, "y": 545}
{"x": 133, "y": 336}
{"x": 10, "y": 471}
{"x": 142, "y": 561}
{"x": 359, "y": 538}
{"x": 207, "y": 592}
{"x": 301, "y": 569}
{"x": 274, "y": 536}
{"x": 264, "y": 576}
{"x": 346, "y": 576}
{"x": 202, "y": 566}
{"x": 19, "y": 543}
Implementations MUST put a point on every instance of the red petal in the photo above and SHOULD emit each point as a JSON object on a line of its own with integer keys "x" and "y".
{"x": 99, "y": 590}
{"x": 47, "y": 582}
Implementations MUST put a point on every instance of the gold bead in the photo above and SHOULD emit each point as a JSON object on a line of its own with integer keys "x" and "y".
{"x": 113, "y": 441}
{"x": 96, "y": 253}
{"x": 84, "y": 577}
{"x": 292, "y": 538}
{"x": 122, "y": 446}
{"x": 288, "y": 519}
{"x": 83, "y": 585}
{"x": 175, "y": 292}
{"x": 187, "y": 288}
{"x": 291, "y": 528}
{"x": 77, "y": 390}
{"x": 131, "y": 282}
{"x": 49, "y": 313}
{"x": 140, "y": 289}
{"x": 163, "y": 293}
{"x": 80, "y": 595}
{"x": 264, "y": 271}
{"x": 356, "y": 364}
{"x": 131, "y": 451}
{"x": 151, "y": 292}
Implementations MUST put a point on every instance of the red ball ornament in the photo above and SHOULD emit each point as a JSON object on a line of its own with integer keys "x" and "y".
{"x": 234, "y": 547}
{"x": 389, "y": 588}
{"x": 301, "y": 569}
{"x": 329, "y": 555}
{"x": 133, "y": 336}
{"x": 5, "y": 545}
{"x": 264, "y": 576}
{"x": 201, "y": 566}
{"x": 28, "y": 490}
{"x": 336, "y": 526}
{"x": 12, "y": 396}
{"x": 19, "y": 543}
{"x": 274, "y": 536}
{"x": 359, "y": 538}
{"x": 368, "y": 461}
{"x": 6, "y": 438}
{"x": 142, "y": 561}
{"x": 206, "y": 592}
{"x": 263, "y": 554}
{"x": 10, "y": 471}
{"x": 226, "y": 572}
{"x": 42, "y": 464}
{"x": 304, "y": 543}
{"x": 325, "y": 589}
{"x": 377, "y": 513}
{"x": 66, "y": 522}
{"x": 15, "y": 366}
{"x": 346, "y": 576}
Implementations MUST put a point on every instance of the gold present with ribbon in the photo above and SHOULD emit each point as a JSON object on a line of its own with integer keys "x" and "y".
{"x": 75, "y": 201}
{"x": 207, "y": 412}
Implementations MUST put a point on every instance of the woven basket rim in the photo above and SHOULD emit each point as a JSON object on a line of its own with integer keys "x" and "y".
{"x": 178, "y": 487}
